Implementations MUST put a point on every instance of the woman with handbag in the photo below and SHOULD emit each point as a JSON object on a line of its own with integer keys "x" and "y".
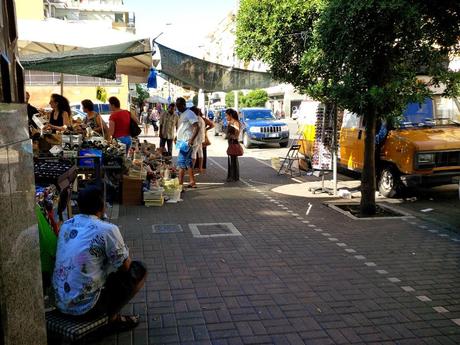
{"x": 234, "y": 148}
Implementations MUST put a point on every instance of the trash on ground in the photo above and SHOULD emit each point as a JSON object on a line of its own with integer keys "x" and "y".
{"x": 344, "y": 193}
{"x": 426, "y": 210}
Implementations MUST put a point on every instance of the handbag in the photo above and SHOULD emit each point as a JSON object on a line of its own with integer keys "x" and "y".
{"x": 206, "y": 142}
{"x": 235, "y": 149}
{"x": 134, "y": 129}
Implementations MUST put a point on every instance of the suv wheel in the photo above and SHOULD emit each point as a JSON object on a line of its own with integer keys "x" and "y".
{"x": 246, "y": 141}
{"x": 389, "y": 182}
{"x": 285, "y": 144}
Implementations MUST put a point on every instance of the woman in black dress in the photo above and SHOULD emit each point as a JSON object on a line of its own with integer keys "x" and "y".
{"x": 233, "y": 134}
{"x": 60, "y": 114}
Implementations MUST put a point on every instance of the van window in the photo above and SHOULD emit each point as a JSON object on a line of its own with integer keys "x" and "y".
{"x": 446, "y": 109}
{"x": 307, "y": 112}
{"x": 350, "y": 120}
{"x": 417, "y": 113}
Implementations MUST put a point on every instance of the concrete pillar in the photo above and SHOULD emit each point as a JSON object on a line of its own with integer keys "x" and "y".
{"x": 21, "y": 297}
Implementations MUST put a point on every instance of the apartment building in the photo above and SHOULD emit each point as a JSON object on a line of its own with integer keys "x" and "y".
{"x": 102, "y": 15}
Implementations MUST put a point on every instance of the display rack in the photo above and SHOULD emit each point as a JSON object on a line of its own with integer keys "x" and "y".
{"x": 322, "y": 159}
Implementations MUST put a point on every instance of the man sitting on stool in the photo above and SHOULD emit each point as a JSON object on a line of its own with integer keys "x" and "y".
{"x": 94, "y": 274}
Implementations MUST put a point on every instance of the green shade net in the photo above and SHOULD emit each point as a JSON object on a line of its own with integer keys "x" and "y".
{"x": 188, "y": 71}
{"x": 91, "y": 62}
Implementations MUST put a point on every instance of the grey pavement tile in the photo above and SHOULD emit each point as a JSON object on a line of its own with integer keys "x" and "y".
{"x": 275, "y": 283}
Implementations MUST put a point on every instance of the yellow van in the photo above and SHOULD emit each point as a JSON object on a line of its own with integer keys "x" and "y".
{"x": 306, "y": 122}
{"x": 423, "y": 150}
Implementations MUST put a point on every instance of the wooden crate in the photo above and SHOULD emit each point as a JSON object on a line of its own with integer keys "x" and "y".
{"x": 131, "y": 191}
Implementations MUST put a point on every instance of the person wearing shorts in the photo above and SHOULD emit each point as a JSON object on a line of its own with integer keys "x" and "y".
{"x": 186, "y": 135}
{"x": 94, "y": 274}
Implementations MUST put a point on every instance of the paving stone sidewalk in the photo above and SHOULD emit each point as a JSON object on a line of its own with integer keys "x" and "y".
{"x": 289, "y": 278}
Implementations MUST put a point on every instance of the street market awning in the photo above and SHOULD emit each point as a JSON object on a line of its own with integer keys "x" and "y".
{"x": 191, "y": 72}
{"x": 131, "y": 58}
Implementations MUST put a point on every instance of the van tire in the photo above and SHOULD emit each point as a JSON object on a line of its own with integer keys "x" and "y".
{"x": 285, "y": 144}
{"x": 389, "y": 182}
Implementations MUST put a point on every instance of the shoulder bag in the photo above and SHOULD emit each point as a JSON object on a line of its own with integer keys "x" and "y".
{"x": 134, "y": 129}
{"x": 235, "y": 149}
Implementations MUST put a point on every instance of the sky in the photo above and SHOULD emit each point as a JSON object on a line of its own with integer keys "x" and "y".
{"x": 184, "y": 23}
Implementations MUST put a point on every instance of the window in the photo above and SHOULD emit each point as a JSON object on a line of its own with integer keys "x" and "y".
{"x": 446, "y": 109}
{"x": 350, "y": 120}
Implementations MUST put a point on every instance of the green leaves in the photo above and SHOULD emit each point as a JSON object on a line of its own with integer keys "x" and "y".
{"x": 354, "y": 53}
{"x": 254, "y": 98}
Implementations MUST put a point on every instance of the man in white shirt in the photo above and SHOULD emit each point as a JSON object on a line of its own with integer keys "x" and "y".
{"x": 186, "y": 135}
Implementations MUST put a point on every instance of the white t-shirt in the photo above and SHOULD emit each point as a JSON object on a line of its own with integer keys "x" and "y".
{"x": 186, "y": 121}
{"x": 199, "y": 140}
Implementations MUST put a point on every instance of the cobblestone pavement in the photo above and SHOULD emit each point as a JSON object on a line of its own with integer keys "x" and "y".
{"x": 291, "y": 271}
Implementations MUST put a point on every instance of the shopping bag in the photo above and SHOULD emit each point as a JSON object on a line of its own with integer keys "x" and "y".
{"x": 48, "y": 242}
{"x": 182, "y": 146}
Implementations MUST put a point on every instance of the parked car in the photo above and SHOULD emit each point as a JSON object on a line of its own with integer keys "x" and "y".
{"x": 78, "y": 115}
{"x": 220, "y": 122}
{"x": 101, "y": 108}
{"x": 260, "y": 126}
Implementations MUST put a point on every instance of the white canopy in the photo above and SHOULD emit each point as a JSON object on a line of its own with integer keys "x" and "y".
{"x": 54, "y": 35}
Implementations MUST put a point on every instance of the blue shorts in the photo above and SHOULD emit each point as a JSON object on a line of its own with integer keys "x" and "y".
{"x": 125, "y": 140}
{"x": 184, "y": 159}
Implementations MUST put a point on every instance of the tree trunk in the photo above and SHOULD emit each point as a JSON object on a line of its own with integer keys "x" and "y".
{"x": 368, "y": 181}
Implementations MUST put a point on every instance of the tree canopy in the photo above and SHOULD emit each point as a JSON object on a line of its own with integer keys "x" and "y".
{"x": 142, "y": 93}
{"x": 363, "y": 56}
{"x": 254, "y": 98}
{"x": 353, "y": 53}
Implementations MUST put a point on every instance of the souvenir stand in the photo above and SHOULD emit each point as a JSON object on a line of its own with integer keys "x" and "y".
{"x": 325, "y": 146}
{"x": 66, "y": 162}
{"x": 151, "y": 178}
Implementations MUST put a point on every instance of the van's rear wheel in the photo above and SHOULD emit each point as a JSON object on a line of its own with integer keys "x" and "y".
{"x": 389, "y": 182}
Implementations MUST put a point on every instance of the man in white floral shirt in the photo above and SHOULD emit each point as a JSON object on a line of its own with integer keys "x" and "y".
{"x": 94, "y": 274}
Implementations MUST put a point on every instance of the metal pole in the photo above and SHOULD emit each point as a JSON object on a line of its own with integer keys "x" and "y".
{"x": 169, "y": 91}
{"x": 334, "y": 153}
{"x": 62, "y": 84}
{"x": 236, "y": 99}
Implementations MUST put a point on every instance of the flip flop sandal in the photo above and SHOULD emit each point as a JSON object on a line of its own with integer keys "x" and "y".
{"x": 124, "y": 323}
{"x": 192, "y": 186}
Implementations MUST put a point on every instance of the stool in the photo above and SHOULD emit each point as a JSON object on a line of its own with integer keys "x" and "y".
{"x": 72, "y": 328}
